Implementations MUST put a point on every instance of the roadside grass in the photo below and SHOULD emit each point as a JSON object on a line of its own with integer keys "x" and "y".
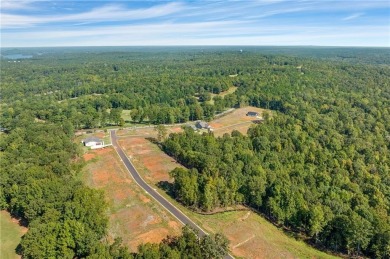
{"x": 146, "y": 132}
{"x": 10, "y": 235}
{"x": 250, "y": 235}
{"x": 107, "y": 138}
{"x": 133, "y": 215}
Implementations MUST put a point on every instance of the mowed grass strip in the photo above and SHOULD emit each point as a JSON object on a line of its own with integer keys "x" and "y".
{"x": 10, "y": 235}
{"x": 251, "y": 235}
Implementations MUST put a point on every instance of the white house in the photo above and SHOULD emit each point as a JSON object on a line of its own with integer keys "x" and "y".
{"x": 93, "y": 142}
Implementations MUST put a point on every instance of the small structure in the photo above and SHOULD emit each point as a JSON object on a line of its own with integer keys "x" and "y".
{"x": 93, "y": 142}
{"x": 193, "y": 127}
{"x": 202, "y": 125}
{"x": 252, "y": 114}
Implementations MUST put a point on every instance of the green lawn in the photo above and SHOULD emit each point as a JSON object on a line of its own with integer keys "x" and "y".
{"x": 222, "y": 94}
{"x": 10, "y": 234}
{"x": 126, "y": 115}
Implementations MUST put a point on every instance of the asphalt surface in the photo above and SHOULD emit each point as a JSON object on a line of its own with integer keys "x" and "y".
{"x": 160, "y": 199}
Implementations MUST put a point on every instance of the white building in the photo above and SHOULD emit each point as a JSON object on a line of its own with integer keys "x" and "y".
{"x": 93, "y": 142}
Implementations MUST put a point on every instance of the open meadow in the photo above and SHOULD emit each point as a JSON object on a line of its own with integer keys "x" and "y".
{"x": 10, "y": 234}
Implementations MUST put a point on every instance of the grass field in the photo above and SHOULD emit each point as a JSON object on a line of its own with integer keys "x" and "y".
{"x": 126, "y": 115}
{"x": 146, "y": 132}
{"x": 236, "y": 120}
{"x": 133, "y": 216}
{"x": 10, "y": 234}
{"x": 251, "y": 236}
{"x": 222, "y": 94}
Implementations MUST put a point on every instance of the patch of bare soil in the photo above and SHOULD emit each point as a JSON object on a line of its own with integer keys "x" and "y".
{"x": 88, "y": 156}
{"x": 133, "y": 215}
{"x": 149, "y": 159}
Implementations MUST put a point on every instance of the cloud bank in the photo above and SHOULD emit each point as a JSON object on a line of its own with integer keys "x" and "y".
{"x": 261, "y": 22}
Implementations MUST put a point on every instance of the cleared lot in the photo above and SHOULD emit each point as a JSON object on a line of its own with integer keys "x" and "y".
{"x": 236, "y": 120}
{"x": 132, "y": 214}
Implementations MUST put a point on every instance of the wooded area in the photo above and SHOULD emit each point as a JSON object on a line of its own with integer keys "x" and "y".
{"x": 320, "y": 165}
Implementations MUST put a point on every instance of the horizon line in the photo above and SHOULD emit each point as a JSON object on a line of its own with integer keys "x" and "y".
{"x": 233, "y": 45}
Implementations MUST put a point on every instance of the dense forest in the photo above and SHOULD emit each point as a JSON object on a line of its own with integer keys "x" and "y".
{"x": 319, "y": 165}
{"x": 89, "y": 87}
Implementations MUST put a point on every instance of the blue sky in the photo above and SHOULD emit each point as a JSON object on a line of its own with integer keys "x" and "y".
{"x": 28, "y": 23}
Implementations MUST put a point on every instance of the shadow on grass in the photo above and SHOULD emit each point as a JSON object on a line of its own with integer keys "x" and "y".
{"x": 19, "y": 249}
{"x": 153, "y": 140}
{"x": 167, "y": 187}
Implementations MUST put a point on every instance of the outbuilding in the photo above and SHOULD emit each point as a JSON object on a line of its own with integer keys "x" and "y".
{"x": 93, "y": 142}
{"x": 252, "y": 114}
{"x": 202, "y": 125}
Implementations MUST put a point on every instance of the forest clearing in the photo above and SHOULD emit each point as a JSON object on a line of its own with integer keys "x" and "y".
{"x": 10, "y": 233}
{"x": 231, "y": 90}
{"x": 236, "y": 120}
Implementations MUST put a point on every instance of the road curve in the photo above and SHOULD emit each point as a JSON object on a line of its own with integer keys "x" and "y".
{"x": 160, "y": 199}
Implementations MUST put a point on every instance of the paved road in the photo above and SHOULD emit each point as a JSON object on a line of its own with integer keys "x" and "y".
{"x": 160, "y": 199}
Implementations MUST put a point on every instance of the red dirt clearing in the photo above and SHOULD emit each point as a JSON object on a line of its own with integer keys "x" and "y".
{"x": 149, "y": 159}
{"x": 96, "y": 152}
{"x": 88, "y": 156}
{"x": 133, "y": 215}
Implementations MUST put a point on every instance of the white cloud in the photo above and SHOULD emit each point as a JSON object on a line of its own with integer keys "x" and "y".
{"x": 200, "y": 33}
{"x": 205, "y": 23}
{"x": 101, "y": 14}
{"x": 353, "y": 16}
{"x": 16, "y": 4}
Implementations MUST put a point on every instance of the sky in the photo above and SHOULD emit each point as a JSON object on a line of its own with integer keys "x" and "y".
{"x": 28, "y": 23}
